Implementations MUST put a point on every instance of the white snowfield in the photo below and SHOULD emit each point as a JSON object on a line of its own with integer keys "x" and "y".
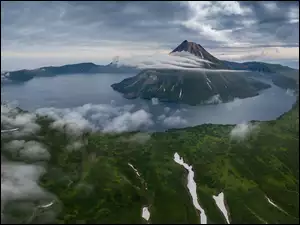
{"x": 219, "y": 199}
{"x": 272, "y": 203}
{"x": 9, "y": 130}
{"x": 192, "y": 187}
{"x": 47, "y": 205}
{"x": 135, "y": 170}
{"x": 146, "y": 213}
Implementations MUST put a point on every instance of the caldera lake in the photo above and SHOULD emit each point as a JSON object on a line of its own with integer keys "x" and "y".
{"x": 89, "y": 97}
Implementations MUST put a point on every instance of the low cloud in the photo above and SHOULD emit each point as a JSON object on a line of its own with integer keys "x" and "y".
{"x": 102, "y": 117}
{"x": 290, "y": 92}
{"x": 242, "y": 131}
{"x": 215, "y": 99}
{"x": 19, "y": 181}
{"x": 129, "y": 122}
{"x": 15, "y": 145}
{"x": 74, "y": 146}
{"x": 161, "y": 117}
{"x": 155, "y": 101}
{"x": 178, "y": 60}
{"x": 167, "y": 109}
{"x": 164, "y": 61}
{"x": 110, "y": 118}
{"x": 72, "y": 123}
{"x": 237, "y": 102}
{"x": 175, "y": 121}
{"x": 11, "y": 118}
{"x": 141, "y": 138}
{"x": 34, "y": 150}
{"x": 28, "y": 150}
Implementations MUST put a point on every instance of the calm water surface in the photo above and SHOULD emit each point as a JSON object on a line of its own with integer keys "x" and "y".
{"x": 80, "y": 89}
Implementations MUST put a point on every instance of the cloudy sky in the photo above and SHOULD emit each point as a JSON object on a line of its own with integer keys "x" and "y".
{"x": 35, "y": 34}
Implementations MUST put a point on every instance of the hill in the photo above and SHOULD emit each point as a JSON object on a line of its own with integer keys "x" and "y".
{"x": 258, "y": 174}
{"x": 25, "y": 75}
{"x": 190, "y": 87}
{"x": 214, "y": 79}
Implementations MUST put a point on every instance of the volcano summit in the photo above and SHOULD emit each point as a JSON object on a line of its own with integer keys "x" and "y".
{"x": 211, "y": 80}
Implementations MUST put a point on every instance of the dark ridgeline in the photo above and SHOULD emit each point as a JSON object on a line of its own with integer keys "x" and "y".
{"x": 205, "y": 83}
{"x": 50, "y": 71}
{"x": 196, "y": 50}
{"x": 212, "y": 78}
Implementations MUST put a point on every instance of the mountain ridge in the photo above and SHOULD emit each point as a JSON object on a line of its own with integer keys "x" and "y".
{"x": 49, "y": 71}
{"x": 282, "y": 76}
{"x": 195, "y": 49}
{"x": 199, "y": 86}
{"x": 198, "y": 51}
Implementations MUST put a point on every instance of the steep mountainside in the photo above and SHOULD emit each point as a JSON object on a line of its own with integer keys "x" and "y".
{"x": 190, "y": 87}
{"x": 199, "y": 51}
{"x": 282, "y": 76}
{"x": 111, "y": 177}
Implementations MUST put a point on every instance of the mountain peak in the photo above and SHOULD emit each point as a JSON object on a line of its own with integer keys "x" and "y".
{"x": 196, "y": 50}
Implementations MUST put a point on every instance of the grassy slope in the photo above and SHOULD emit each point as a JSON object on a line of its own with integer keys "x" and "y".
{"x": 96, "y": 185}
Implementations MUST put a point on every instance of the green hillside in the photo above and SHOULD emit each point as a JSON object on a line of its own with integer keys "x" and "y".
{"x": 96, "y": 185}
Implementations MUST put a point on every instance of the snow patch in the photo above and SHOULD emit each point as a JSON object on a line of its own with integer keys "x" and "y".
{"x": 10, "y": 130}
{"x": 192, "y": 187}
{"x": 47, "y": 205}
{"x": 201, "y": 55}
{"x": 208, "y": 80}
{"x": 145, "y": 213}
{"x": 272, "y": 203}
{"x": 215, "y": 99}
{"x": 180, "y": 94}
{"x": 219, "y": 199}
{"x": 209, "y": 85}
{"x": 135, "y": 170}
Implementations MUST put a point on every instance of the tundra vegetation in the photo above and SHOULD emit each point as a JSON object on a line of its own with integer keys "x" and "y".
{"x": 93, "y": 182}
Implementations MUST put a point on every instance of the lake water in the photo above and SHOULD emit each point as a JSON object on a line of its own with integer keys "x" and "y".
{"x": 92, "y": 99}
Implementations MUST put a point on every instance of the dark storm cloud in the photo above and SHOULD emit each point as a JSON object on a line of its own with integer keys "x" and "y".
{"x": 29, "y": 28}
{"x": 81, "y": 21}
{"x": 273, "y": 11}
{"x": 273, "y": 20}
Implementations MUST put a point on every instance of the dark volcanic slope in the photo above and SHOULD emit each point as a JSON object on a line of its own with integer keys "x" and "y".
{"x": 196, "y": 50}
{"x": 282, "y": 76}
{"x": 190, "y": 87}
{"x": 201, "y": 53}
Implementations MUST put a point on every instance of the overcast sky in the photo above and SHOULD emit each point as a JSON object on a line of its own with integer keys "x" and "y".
{"x": 35, "y": 34}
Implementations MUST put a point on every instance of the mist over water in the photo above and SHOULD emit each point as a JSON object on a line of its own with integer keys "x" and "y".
{"x": 91, "y": 97}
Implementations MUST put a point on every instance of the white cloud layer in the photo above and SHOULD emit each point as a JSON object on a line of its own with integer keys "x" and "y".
{"x": 215, "y": 99}
{"x": 19, "y": 181}
{"x": 241, "y": 131}
{"x": 141, "y": 138}
{"x": 179, "y": 60}
{"x": 106, "y": 118}
{"x": 26, "y": 122}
